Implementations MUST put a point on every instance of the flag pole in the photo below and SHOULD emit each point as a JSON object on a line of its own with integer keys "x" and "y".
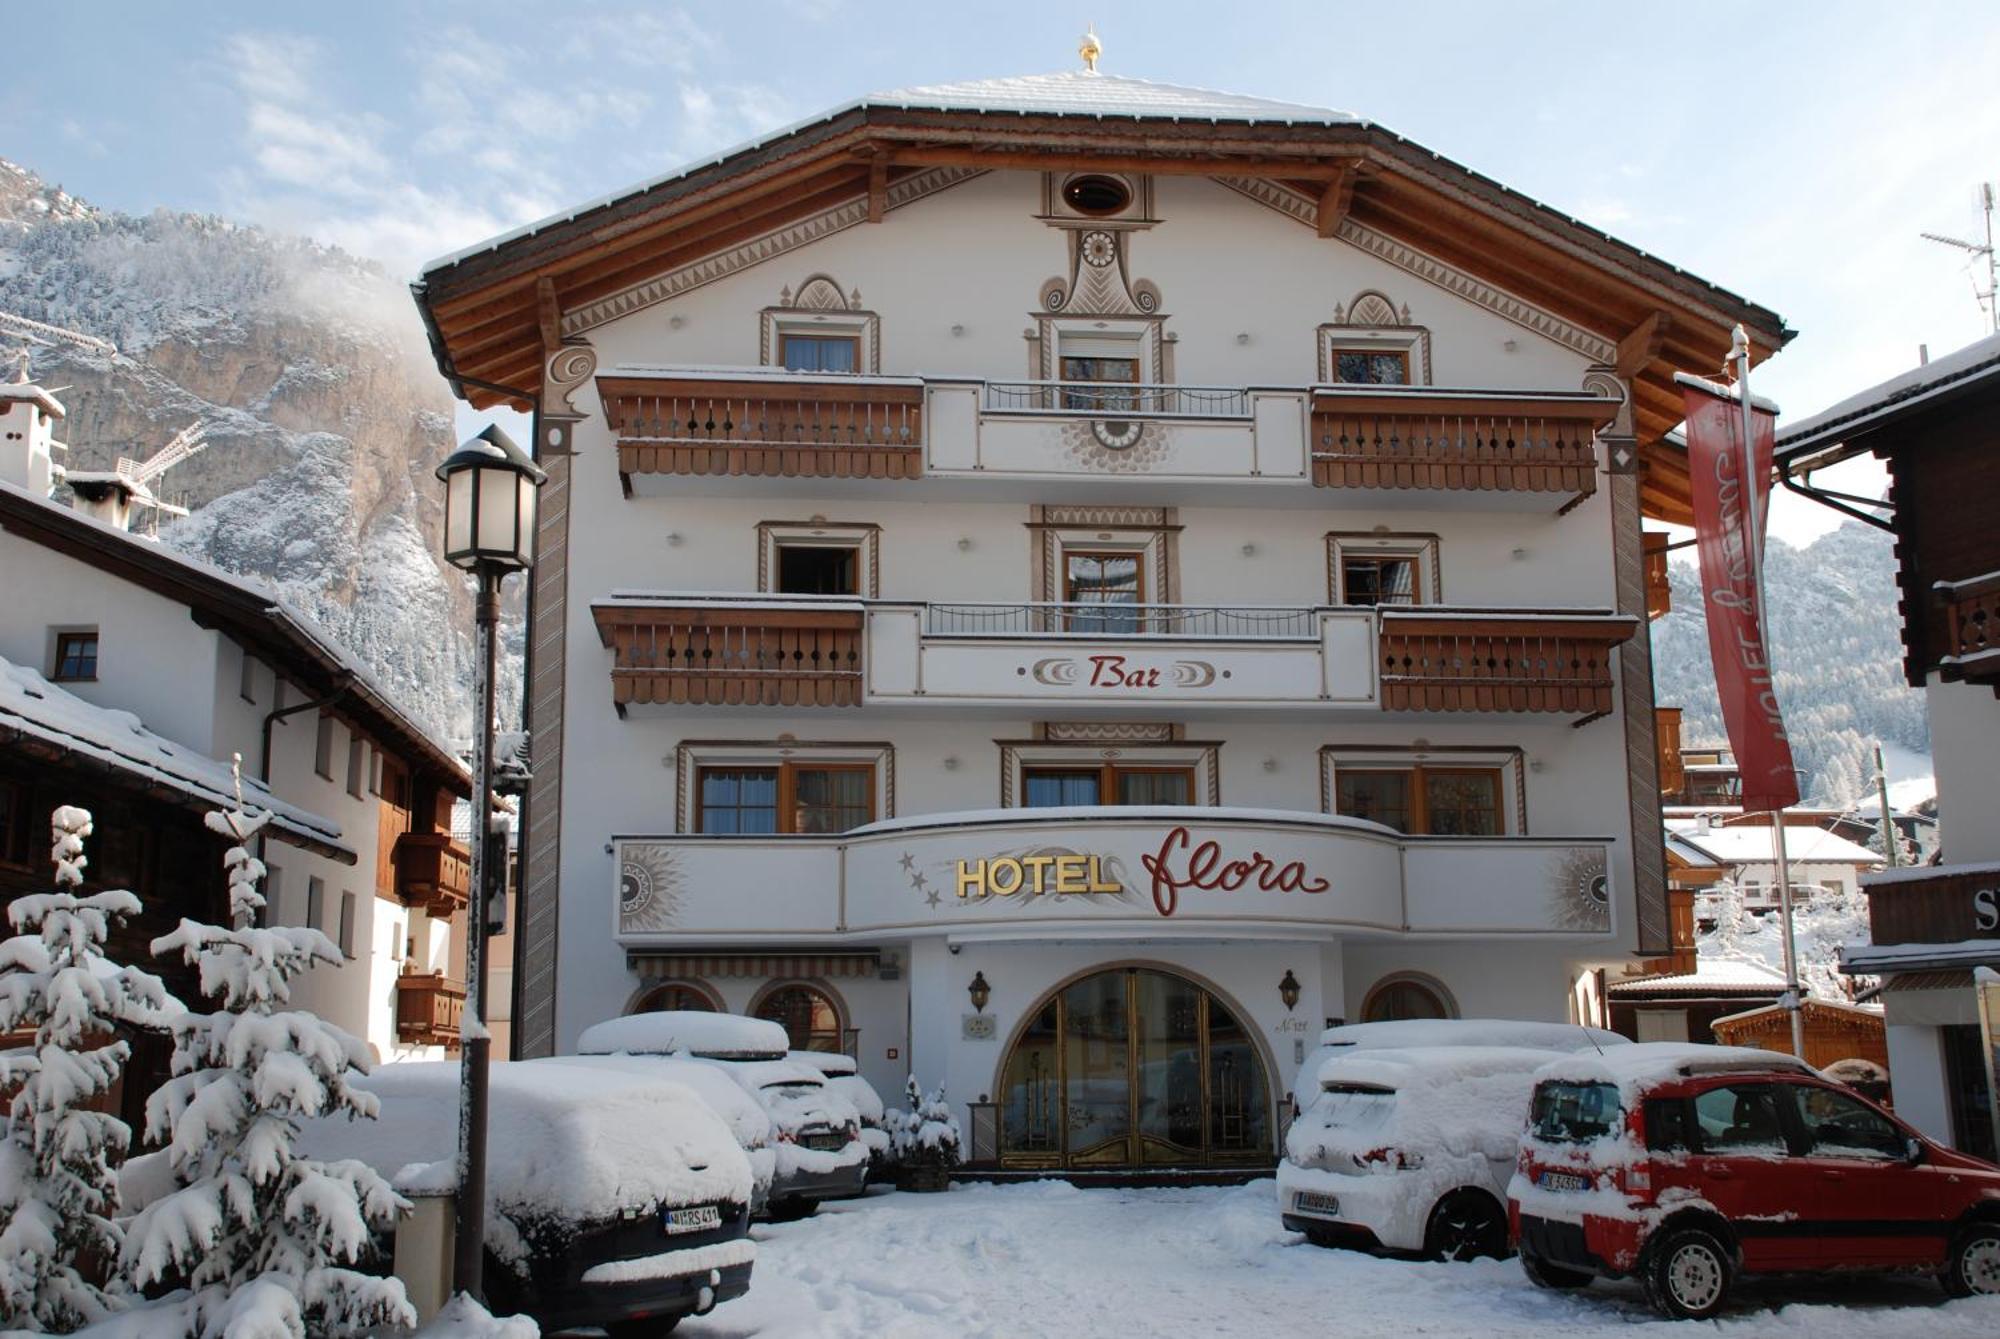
{"x": 1739, "y": 352}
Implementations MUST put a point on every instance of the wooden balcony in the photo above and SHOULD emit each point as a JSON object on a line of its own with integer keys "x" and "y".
{"x": 428, "y": 1008}
{"x": 1667, "y": 745}
{"x": 1413, "y": 437}
{"x": 1499, "y": 660}
{"x": 773, "y": 424}
{"x": 1971, "y": 630}
{"x": 778, "y": 654}
{"x": 433, "y": 872}
{"x": 1659, "y": 586}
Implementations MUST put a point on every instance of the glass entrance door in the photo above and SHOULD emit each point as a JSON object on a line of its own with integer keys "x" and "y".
{"x": 1130, "y": 1068}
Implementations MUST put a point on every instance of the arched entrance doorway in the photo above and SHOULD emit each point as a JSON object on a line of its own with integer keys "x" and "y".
{"x": 1134, "y": 1067}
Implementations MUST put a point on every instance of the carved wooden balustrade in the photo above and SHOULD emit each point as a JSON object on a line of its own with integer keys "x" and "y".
{"x": 1667, "y": 744}
{"x": 826, "y": 428}
{"x": 1972, "y": 629}
{"x": 1659, "y": 586}
{"x": 1381, "y": 437}
{"x": 433, "y": 872}
{"x": 1493, "y": 660}
{"x": 428, "y": 1008}
{"x": 746, "y": 655}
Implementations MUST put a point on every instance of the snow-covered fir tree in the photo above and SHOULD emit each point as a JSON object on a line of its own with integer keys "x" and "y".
{"x": 58, "y": 1189}
{"x": 263, "y": 1237}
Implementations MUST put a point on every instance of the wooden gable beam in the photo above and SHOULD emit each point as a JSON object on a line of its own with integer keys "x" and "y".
{"x": 1334, "y": 198}
{"x": 1185, "y": 164}
{"x": 878, "y": 187}
{"x": 1642, "y": 343}
{"x": 548, "y": 314}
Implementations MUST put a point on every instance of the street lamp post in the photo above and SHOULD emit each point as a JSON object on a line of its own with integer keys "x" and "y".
{"x": 489, "y": 531}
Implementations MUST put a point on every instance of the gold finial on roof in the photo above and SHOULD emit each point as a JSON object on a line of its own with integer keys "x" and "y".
{"x": 1091, "y": 49}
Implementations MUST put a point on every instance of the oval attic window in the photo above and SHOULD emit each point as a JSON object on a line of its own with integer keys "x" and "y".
{"x": 1096, "y": 195}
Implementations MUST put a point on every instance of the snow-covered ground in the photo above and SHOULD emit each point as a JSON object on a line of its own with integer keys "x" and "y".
{"x": 1047, "y": 1259}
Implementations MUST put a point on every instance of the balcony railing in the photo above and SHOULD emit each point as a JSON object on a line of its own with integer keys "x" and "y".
{"x": 1659, "y": 586}
{"x": 433, "y": 872}
{"x": 1376, "y": 437}
{"x": 1498, "y": 660}
{"x": 1236, "y": 622}
{"x": 753, "y": 655}
{"x": 1972, "y": 629}
{"x": 1139, "y": 400}
{"x": 1667, "y": 741}
{"x": 776, "y": 424}
{"x": 428, "y": 1009}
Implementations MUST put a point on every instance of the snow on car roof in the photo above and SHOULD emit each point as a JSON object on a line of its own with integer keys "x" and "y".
{"x": 744, "y": 1115}
{"x": 566, "y": 1140}
{"x": 1633, "y": 1067}
{"x": 691, "y": 1030}
{"x": 826, "y": 1062}
{"x": 1430, "y": 1066}
{"x": 766, "y": 1073}
{"x": 1470, "y": 1032}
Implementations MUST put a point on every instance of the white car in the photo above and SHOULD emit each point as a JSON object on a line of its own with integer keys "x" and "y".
{"x": 815, "y": 1132}
{"x": 1410, "y": 1150}
{"x": 843, "y": 1077}
{"x": 743, "y": 1114}
{"x": 1404, "y": 1033}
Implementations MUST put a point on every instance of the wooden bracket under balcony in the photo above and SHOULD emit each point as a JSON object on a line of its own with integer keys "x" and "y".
{"x": 428, "y": 1009}
{"x": 433, "y": 872}
{"x": 1479, "y": 442}
{"x": 1659, "y": 586}
{"x": 1667, "y": 745}
{"x": 831, "y": 428}
{"x": 1486, "y": 660}
{"x": 733, "y": 655}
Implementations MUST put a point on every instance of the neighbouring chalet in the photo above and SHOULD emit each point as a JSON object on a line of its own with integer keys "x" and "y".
{"x": 129, "y": 678}
{"x": 1937, "y": 429}
{"x": 1066, "y": 585}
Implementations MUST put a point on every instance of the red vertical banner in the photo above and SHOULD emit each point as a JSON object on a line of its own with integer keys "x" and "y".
{"x": 1724, "y": 502}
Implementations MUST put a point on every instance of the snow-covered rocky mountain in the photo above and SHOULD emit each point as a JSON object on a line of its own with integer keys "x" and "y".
{"x": 1837, "y": 653}
{"x": 325, "y": 415}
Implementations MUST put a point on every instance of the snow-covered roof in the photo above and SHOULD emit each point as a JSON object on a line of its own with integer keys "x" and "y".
{"x": 193, "y": 582}
{"x": 1691, "y": 854}
{"x": 671, "y": 1030}
{"x": 1711, "y": 975}
{"x": 1647, "y": 1062}
{"x": 1079, "y": 93}
{"x": 30, "y": 705}
{"x": 571, "y": 1140}
{"x": 1873, "y": 1011}
{"x": 1950, "y": 374}
{"x": 1750, "y": 844}
{"x": 1427, "y": 1032}
{"x": 1877, "y": 959}
{"x": 28, "y": 390}
{"x": 1926, "y": 873}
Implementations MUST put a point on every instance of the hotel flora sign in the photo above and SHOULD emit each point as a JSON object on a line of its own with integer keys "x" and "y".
{"x": 1007, "y": 869}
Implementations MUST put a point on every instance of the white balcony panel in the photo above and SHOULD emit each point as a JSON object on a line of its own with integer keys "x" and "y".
{"x": 726, "y": 887}
{"x": 1506, "y": 884}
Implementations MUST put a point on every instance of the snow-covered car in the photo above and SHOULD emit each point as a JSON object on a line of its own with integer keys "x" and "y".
{"x": 816, "y": 1133}
{"x": 612, "y": 1200}
{"x": 1688, "y": 1165}
{"x": 1405, "y": 1033}
{"x": 843, "y": 1077}
{"x": 1410, "y": 1150}
{"x": 743, "y": 1114}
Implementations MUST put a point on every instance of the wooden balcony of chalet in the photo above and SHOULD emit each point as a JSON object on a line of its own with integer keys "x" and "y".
{"x": 1667, "y": 745}
{"x": 767, "y": 423}
{"x": 1971, "y": 651}
{"x": 429, "y": 1006}
{"x": 1659, "y": 586}
{"x": 1489, "y": 660}
{"x": 433, "y": 872}
{"x": 1421, "y": 437}
{"x": 765, "y": 654}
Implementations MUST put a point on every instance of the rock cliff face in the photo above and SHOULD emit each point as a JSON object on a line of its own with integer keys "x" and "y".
{"x": 325, "y": 416}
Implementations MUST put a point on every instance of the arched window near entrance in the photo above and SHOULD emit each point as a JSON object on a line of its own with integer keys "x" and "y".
{"x": 808, "y": 1015}
{"x": 1407, "y": 995}
{"x": 677, "y": 995}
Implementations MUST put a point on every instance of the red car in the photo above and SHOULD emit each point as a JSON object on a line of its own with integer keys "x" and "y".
{"x": 1687, "y": 1165}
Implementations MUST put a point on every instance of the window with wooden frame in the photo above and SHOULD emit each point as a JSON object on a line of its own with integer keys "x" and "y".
{"x": 1045, "y": 787}
{"x": 809, "y": 1016}
{"x": 246, "y": 682}
{"x": 1424, "y": 800}
{"x": 1111, "y": 582}
{"x": 818, "y": 569}
{"x": 1099, "y": 360}
{"x": 357, "y": 760}
{"x": 819, "y": 352}
{"x": 1371, "y": 568}
{"x": 76, "y": 657}
{"x": 323, "y": 747}
{"x": 345, "y": 938}
{"x": 1364, "y": 366}
{"x": 315, "y": 901}
{"x": 803, "y": 798}
{"x": 1378, "y": 579}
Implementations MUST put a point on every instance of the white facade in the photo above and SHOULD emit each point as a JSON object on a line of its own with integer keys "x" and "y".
{"x": 969, "y": 681}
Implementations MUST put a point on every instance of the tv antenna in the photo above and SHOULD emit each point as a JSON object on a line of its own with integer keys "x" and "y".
{"x": 50, "y": 336}
{"x": 1985, "y": 298}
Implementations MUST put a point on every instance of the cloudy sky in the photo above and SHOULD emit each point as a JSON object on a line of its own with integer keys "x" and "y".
{"x": 1791, "y": 152}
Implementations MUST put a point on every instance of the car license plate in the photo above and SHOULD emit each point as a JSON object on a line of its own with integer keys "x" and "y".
{"x": 699, "y": 1218}
{"x": 830, "y": 1142}
{"x": 1564, "y": 1181}
{"x": 1312, "y": 1201}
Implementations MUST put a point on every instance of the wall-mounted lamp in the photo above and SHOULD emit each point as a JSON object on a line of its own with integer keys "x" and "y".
{"x": 673, "y": 539}
{"x": 980, "y": 992}
{"x": 1510, "y": 345}
{"x": 676, "y": 322}
{"x": 1518, "y": 555}
{"x": 1249, "y": 550}
{"x": 1288, "y": 990}
{"x": 1536, "y": 765}
{"x": 1243, "y": 337}
{"x": 951, "y": 762}
{"x": 964, "y": 545}
{"x": 1270, "y": 764}
{"x": 958, "y": 332}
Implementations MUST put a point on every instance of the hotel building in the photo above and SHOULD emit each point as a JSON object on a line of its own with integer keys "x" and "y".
{"x": 1067, "y": 585}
